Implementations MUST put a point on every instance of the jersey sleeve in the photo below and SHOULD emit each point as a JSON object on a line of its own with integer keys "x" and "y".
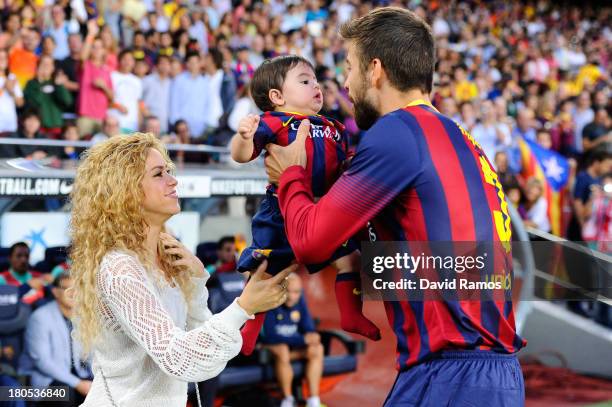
{"x": 387, "y": 161}
{"x": 263, "y": 136}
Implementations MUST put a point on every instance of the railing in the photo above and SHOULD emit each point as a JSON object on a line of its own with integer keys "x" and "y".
{"x": 86, "y": 144}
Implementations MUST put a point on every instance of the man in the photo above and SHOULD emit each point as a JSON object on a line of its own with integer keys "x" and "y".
{"x": 31, "y": 283}
{"x": 598, "y": 163}
{"x": 23, "y": 60}
{"x": 186, "y": 97}
{"x": 127, "y": 94}
{"x": 59, "y": 30}
{"x": 156, "y": 92}
{"x": 597, "y": 132}
{"x": 70, "y": 67}
{"x": 416, "y": 176}
{"x": 51, "y": 356}
{"x": 289, "y": 334}
{"x": 110, "y": 128}
{"x": 226, "y": 256}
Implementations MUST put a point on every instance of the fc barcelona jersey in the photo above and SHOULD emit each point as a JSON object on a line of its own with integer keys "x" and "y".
{"x": 326, "y": 147}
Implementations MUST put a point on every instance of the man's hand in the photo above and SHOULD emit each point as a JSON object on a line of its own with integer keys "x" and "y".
{"x": 36, "y": 283}
{"x": 248, "y": 126}
{"x": 83, "y": 387}
{"x": 280, "y": 158}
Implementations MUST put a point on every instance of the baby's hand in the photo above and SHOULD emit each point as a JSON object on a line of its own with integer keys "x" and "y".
{"x": 248, "y": 126}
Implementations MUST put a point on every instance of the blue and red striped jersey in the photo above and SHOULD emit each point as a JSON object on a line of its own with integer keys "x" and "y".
{"x": 326, "y": 147}
{"x": 416, "y": 176}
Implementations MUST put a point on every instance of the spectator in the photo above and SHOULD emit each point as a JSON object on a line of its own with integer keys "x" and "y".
{"x": 463, "y": 90}
{"x": 599, "y": 162}
{"x": 11, "y": 97}
{"x": 70, "y": 66}
{"x": 70, "y": 132}
{"x": 11, "y": 35}
{"x": 95, "y": 85}
{"x": 335, "y": 105}
{"x": 59, "y": 30}
{"x": 243, "y": 70}
{"x": 110, "y": 46}
{"x": 598, "y": 132}
{"x": 227, "y": 88}
{"x": 536, "y": 206}
{"x": 492, "y": 135}
{"x": 47, "y": 47}
{"x": 186, "y": 101}
{"x": 289, "y": 334}
{"x": 525, "y": 125}
{"x": 23, "y": 61}
{"x": 48, "y": 96}
{"x": 31, "y": 283}
{"x": 51, "y": 356}
{"x": 243, "y": 107}
{"x": 152, "y": 125}
{"x": 127, "y": 92}
{"x": 597, "y": 230}
{"x": 215, "y": 77}
{"x": 110, "y": 128}
{"x": 156, "y": 92}
{"x": 583, "y": 115}
{"x": 30, "y": 129}
{"x": 563, "y": 135}
{"x": 226, "y": 256}
{"x": 506, "y": 177}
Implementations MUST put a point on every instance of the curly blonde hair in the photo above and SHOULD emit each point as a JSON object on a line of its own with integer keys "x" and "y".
{"x": 107, "y": 214}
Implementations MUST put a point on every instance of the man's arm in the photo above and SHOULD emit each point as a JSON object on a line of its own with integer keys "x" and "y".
{"x": 38, "y": 345}
{"x": 387, "y": 161}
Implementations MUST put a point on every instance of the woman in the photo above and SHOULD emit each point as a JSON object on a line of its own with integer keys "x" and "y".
{"x": 95, "y": 85}
{"x": 536, "y": 206}
{"x": 140, "y": 295}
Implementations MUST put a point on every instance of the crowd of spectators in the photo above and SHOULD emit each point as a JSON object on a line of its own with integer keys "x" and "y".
{"x": 90, "y": 70}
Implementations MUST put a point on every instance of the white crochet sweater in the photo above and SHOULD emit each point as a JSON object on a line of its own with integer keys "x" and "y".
{"x": 144, "y": 352}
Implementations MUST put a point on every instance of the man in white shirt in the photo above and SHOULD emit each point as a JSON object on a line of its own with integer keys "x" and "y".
{"x": 214, "y": 73}
{"x": 127, "y": 94}
{"x": 156, "y": 92}
{"x": 187, "y": 97}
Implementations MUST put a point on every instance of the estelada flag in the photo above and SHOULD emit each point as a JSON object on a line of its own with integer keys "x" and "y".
{"x": 553, "y": 170}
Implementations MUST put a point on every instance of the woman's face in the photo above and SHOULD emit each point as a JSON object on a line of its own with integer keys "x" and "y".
{"x": 159, "y": 186}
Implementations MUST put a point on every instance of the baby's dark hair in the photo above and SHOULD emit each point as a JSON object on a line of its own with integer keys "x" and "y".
{"x": 270, "y": 75}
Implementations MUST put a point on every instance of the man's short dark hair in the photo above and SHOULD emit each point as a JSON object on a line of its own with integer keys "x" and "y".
{"x": 271, "y": 74}
{"x": 401, "y": 40}
{"x": 224, "y": 240}
{"x": 16, "y": 245}
{"x": 124, "y": 52}
{"x": 598, "y": 155}
{"x": 217, "y": 57}
{"x": 65, "y": 275}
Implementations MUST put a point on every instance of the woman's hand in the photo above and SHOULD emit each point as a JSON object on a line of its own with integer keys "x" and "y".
{"x": 261, "y": 293}
{"x": 183, "y": 257}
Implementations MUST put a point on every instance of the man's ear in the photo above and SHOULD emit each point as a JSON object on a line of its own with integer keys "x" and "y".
{"x": 376, "y": 73}
{"x": 276, "y": 97}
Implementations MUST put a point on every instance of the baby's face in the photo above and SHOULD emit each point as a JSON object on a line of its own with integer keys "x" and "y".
{"x": 301, "y": 91}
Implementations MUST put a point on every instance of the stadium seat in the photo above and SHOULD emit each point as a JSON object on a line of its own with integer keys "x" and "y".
{"x": 207, "y": 252}
{"x": 13, "y": 319}
{"x": 4, "y": 258}
{"x": 224, "y": 287}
